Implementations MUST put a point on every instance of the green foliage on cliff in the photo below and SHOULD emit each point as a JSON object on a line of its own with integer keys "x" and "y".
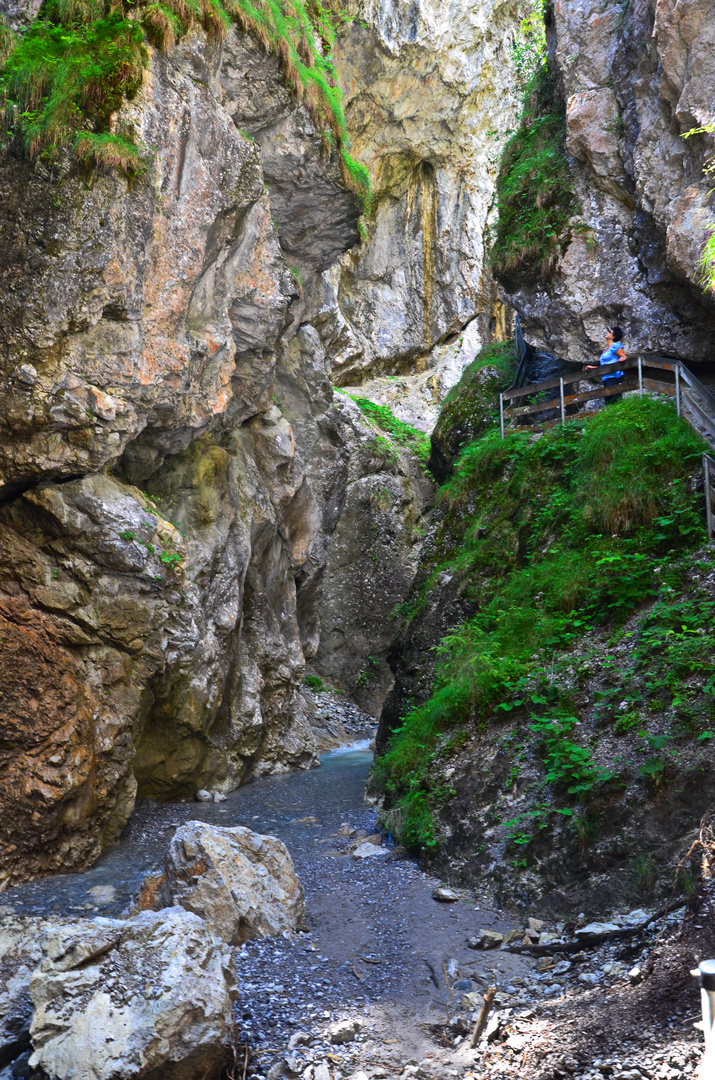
{"x": 69, "y": 70}
{"x": 707, "y": 262}
{"x": 535, "y": 194}
{"x": 470, "y": 406}
{"x": 407, "y": 436}
{"x": 80, "y": 59}
{"x": 554, "y": 540}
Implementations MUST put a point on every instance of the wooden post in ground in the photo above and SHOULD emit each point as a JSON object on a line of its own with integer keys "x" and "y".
{"x": 640, "y": 376}
{"x": 563, "y": 407}
{"x": 501, "y": 414}
{"x": 677, "y": 388}
{"x": 483, "y": 1015}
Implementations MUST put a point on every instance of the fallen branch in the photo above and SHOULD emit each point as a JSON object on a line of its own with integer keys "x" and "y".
{"x": 483, "y": 1015}
{"x": 593, "y": 940}
{"x": 433, "y": 973}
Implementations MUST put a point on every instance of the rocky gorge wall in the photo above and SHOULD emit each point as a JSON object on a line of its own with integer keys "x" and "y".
{"x": 163, "y": 525}
{"x": 427, "y": 87}
{"x": 635, "y": 77}
{"x": 188, "y": 513}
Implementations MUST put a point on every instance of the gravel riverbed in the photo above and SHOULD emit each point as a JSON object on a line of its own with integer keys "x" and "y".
{"x": 386, "y": 980}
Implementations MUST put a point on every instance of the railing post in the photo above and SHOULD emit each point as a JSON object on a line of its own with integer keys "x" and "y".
{"x": 706, "y": 970}
{"x": 501, "y": 414}
{"x": 640, "y": 376}
{"x": 708, "y": 498}
{"x": 563, "y": 407}
{"x": 677, "y": 387}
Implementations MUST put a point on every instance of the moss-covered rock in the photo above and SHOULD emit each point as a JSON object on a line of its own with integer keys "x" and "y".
{"x": 554, "y": 702}
{"x": 469, "y": 407}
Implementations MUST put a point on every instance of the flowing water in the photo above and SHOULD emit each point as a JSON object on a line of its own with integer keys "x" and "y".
{"x": 270, "y": 804}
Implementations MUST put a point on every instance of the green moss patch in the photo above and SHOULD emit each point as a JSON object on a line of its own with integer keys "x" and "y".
{"x": 535, "y": 193}
{"x": 469, "y": 407}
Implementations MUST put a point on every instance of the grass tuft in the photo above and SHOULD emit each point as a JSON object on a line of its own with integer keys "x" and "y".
{"x": 411, "y": 438}
{"x": 110, "y": 152}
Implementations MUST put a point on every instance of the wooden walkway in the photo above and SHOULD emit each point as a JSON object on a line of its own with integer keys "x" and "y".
{"x": 643, "y": 374}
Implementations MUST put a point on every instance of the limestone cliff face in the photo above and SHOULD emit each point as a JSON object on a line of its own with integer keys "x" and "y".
{"x": 427, "y": 85}
{"x": 636, "y": 77}
{"x": 162, "y": 526}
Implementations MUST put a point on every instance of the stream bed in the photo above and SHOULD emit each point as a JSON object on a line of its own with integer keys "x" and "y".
{"x": 377, "y": 948}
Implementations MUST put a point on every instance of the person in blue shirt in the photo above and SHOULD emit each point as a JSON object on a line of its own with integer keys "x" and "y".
{"x": 612, "y": 353}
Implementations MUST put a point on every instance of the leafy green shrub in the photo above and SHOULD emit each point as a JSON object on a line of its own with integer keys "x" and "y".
{"x": 566, "y": 762}
{"x": 314, "y": 682}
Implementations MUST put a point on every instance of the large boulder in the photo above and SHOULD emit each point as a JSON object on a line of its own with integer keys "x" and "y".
{"x": 20, "y": 954}
{"x": 243, "y": 884}
{"x": 148, "y": 996}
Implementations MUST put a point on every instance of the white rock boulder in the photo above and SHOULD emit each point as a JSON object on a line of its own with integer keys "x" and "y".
{"x": 20, "y": 953}
{"x": 149, "y": 996}
{"x": 243, "y": 884}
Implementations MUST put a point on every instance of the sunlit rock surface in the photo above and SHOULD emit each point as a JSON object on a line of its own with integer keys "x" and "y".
{"x": 163, "y": 539}
{"x": 241, "y": 883}
{"x": 430, "y": 89}
{"x": 146, "y": 996}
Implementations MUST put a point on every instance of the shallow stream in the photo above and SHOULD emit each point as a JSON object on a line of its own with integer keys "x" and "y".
{"x": 270, "y": 804}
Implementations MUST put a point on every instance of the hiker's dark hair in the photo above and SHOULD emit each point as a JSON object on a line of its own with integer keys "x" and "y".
{"x": 617, "y": 332}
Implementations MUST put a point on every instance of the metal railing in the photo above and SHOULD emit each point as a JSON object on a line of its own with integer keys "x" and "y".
{"x": 660, "y": 375}
{"x": 645, "y": 368}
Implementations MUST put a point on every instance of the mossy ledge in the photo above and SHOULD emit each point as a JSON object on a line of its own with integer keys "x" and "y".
{"x": 535, "y": 194}
{"x": 64, "y": 77}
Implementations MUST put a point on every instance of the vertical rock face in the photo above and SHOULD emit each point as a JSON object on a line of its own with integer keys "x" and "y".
{"x": 635, "y": 78}
{"x": 159, "y": 528}
{"x": 429, "y": 89}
